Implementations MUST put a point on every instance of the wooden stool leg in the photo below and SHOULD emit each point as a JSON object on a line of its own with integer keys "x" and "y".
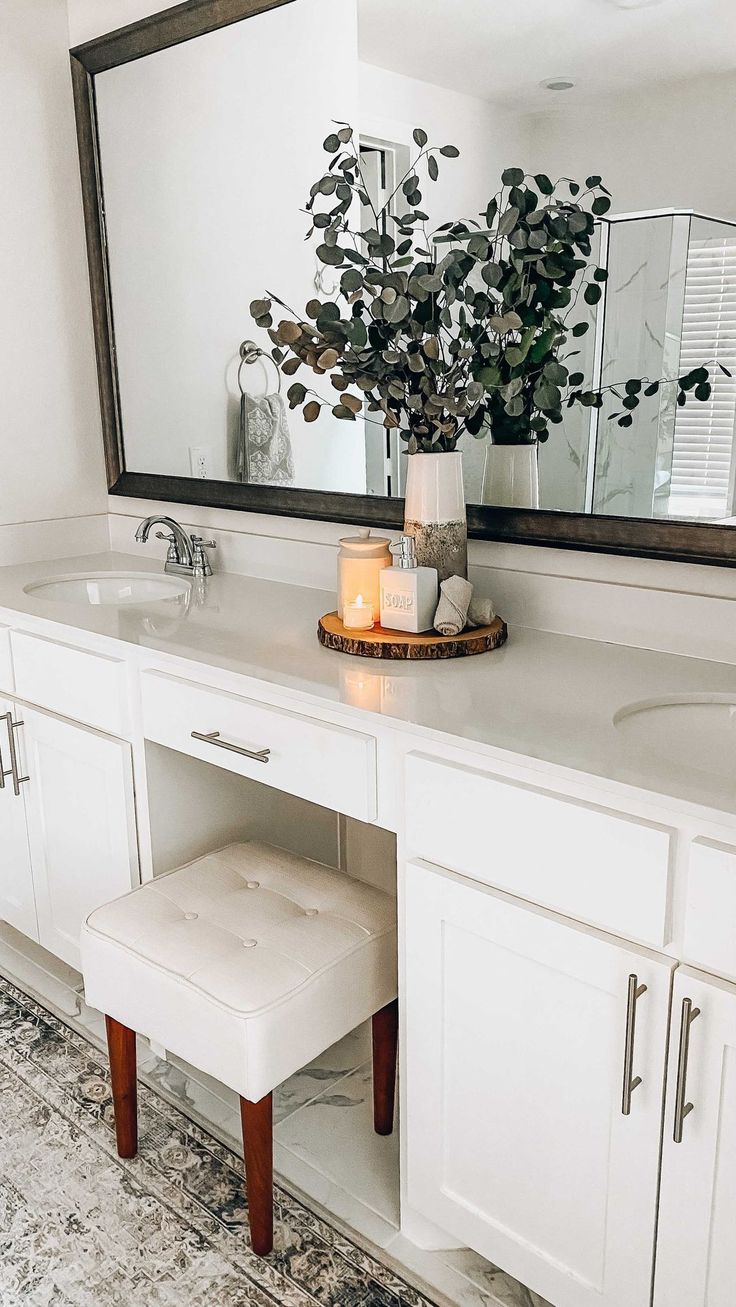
{"x": 385, "y": 1042}
{"x": 121, "y": 1048}
{"x": 257, "y": 1119}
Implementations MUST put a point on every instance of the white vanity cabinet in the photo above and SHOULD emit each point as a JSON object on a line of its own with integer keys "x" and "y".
{"x": 17, "y": 898}
{"x": 67, "y": 815}
{"x": 517, "y": 1051}
{"x": 696, "y": 1248}
{"x": 81, "y": 824}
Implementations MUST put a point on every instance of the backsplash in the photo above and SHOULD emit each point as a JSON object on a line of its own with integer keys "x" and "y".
{"x": 673, "y": 607}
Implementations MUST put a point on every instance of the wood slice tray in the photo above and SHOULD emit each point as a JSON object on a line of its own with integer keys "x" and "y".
{"x": 381, "y": 643}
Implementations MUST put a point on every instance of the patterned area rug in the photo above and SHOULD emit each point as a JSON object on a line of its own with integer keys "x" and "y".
{"x": 81, "y": 1228}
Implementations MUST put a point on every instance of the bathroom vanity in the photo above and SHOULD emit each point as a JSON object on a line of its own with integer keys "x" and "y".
{"x": 566, "y": 880}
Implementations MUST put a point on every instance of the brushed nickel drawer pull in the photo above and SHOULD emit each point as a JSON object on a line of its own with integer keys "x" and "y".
{"x": 259, "y": 755}
{"x": 682, "y": 1107}
{"x": 631, "y": 1082}
{"x": 18, "y": 780}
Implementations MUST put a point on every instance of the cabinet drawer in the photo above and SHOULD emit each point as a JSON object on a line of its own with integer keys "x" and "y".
{"x": 583, "y": 861}
{"x": 87, "y": 687}
{"x": 329, "y": 765}
{"x": 710, "y": 910}
{"x": 6, "y": 663}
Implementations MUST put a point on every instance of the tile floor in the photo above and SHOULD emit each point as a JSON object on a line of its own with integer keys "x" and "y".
{"x": 324, "y": 1143}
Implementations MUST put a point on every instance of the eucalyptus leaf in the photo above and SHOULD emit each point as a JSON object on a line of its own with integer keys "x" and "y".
{"x": 508, "y": 220}
{"x": 600, "y": 205}
{"x": 331, "y": 255}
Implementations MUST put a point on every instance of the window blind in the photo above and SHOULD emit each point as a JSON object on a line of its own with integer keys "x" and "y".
{"x": 703, "y": 446}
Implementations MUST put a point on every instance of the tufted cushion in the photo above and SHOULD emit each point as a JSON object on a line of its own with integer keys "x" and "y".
{"x": 247, "y": 962}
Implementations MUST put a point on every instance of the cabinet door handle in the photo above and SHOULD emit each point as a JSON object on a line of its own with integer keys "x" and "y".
{"x": 213, "y": 737}
{"x": 682, "y": 1107}
{"x": 18, "y": 780}
{"x": 631, "y": 1082}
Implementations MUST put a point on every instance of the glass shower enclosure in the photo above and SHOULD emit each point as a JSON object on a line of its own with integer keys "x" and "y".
{"x": 669, "y": 305}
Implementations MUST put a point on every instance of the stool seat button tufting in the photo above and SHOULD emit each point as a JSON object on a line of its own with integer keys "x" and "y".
{"x": 311, "y": 912}
{"x": 249, "y": 943}
{"x": 254, "y": 884}
{"x": 190, "y": 916}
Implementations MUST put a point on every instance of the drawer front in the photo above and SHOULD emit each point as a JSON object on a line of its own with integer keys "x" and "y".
{"x": 710, "y": 909}
{"x": 583, "y": 861}
{"x": 329, "y": 765}
{"x": 86, "y": 687}
{"x": 7, "y": 683}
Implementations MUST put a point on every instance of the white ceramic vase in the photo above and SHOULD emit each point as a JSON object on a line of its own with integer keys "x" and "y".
{"x": 511, "y": 476}
{"x": 434, "y": 512}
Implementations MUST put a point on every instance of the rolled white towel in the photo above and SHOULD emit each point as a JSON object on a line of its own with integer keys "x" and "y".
{"x": 481, "y": 611}
{"x": 452, "y": 609}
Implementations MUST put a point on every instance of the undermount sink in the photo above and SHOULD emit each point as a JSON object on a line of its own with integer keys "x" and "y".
{"x": 109, "y": 589}
{"x": 696, "y": 730}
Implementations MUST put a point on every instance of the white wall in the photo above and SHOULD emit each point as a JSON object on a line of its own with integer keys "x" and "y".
{"x": 208, "y": 152}
{"x": 51, "y": 464}
{"x": 668, "y": 147}
{"x": 91, "y": 18}
{"x": 489, "y": 139}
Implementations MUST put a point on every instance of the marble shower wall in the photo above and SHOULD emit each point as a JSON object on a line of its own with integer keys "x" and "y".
{"x": 647, "y": 262}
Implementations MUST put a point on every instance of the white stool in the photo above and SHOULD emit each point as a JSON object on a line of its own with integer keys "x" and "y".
{"x": 247, "y": 963}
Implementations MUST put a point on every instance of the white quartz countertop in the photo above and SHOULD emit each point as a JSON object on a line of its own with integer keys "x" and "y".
{"x": 544, "y": 697}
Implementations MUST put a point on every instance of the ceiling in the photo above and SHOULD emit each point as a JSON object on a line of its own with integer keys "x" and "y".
{"x": 501, "y": 50}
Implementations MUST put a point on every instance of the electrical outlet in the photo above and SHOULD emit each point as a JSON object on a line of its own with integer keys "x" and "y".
{"x": 199, "y": 461}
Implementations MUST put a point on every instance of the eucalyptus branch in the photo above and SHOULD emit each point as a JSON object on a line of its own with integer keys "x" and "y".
{"x": 427, "y": 346}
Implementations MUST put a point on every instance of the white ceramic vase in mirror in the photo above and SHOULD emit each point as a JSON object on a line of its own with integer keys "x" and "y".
{"x": 511, "y": 476}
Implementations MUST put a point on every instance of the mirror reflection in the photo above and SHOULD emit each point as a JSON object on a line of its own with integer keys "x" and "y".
{"x": 209, "y": 150}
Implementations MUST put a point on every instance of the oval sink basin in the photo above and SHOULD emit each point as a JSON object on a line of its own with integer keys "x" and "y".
{"x": 109, "y": 589}
{"x": 695, "y": 730}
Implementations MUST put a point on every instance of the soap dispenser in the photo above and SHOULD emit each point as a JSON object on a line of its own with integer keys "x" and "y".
{"x": 409, "y": 593}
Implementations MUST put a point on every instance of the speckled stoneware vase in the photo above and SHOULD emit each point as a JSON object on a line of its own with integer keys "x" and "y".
{"x": 434, "y": 512}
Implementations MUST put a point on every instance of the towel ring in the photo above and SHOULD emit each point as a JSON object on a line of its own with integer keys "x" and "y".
{"x": 251, "y": 353}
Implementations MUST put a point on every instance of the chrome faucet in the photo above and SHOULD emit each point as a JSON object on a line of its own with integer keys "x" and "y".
{"x": 186, "y": 555}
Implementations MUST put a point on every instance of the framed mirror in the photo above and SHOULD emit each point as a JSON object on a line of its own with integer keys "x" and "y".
{"x": 201, "y": 134}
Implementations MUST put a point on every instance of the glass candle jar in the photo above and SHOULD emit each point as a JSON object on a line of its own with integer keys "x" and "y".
{"x": 358, "y": 614}
{"x": 360, "y": 561}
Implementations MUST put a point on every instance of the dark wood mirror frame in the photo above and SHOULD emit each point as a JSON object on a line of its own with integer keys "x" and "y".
{"x": 680, "y": 541}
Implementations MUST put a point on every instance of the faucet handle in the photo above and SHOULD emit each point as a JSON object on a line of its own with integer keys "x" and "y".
{"x": 200, "y": 562}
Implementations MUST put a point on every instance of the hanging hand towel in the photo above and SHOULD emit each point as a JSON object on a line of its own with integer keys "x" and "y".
{"x": 264, "y": 454}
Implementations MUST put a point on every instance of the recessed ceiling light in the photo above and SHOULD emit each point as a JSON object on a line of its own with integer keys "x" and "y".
{"x": 557, "y": 84}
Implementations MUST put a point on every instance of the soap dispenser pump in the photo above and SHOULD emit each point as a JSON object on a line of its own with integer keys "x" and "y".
{"x": 409, "y": 593}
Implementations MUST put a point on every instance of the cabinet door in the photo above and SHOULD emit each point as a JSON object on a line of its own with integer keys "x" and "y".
{"x": 81, "y": 825}
{"x": 696, "y": 1248}
{"x": 515, "y": 1031}
{"x": 17, "y": 904}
